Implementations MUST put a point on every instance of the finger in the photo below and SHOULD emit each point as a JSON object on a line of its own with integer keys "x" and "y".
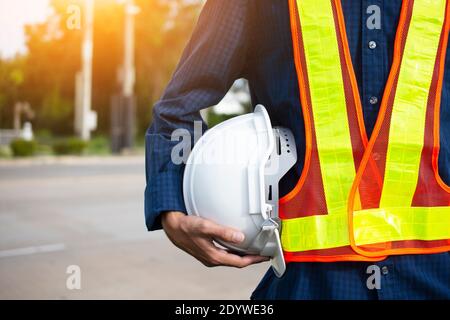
{"x": 220, "y": 232}
{"x": 208, "y": 251}
{"x": 215, "y": 256}
{"x": 228, "y": 259}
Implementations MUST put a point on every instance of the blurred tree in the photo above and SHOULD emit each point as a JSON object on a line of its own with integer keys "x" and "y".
{"x": 51, "y": 63}
{"x": 162, "y": 31}
{"x": 11, "y": 83}
{"x": 45, "y": 76}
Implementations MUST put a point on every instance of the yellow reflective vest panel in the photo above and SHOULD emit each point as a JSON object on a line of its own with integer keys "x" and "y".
{"x": 359, "y": 199}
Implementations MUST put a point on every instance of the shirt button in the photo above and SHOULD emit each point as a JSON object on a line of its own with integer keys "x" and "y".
{"x": 373, "y": 100}
{"x": 372, "y": 44}
{"x": 385, "y": 270}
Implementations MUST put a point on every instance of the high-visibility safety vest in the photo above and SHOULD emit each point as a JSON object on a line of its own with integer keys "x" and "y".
{"x": 359, "y": 199}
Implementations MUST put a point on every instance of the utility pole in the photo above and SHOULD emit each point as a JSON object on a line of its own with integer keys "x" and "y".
{"x": 19, "y": 108}
{"x": 128, "y": 61}
{"x": 124, "y": 104}
{"x": 85, "y": 118}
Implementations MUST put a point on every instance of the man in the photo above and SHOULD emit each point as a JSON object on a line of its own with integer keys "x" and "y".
{"x": 253, "y": 39}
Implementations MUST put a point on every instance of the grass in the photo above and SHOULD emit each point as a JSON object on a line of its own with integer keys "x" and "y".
{"x": 98, "y": 146}
{"x": 5, "y": 152}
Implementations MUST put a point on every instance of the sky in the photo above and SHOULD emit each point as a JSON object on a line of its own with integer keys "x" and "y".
{"x": 14, "y": 14}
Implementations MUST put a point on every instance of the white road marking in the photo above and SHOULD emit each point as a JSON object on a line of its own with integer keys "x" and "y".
{"x": 32, "y": 250}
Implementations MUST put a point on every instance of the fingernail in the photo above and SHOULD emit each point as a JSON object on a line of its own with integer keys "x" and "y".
{"x": 238, "y": 237}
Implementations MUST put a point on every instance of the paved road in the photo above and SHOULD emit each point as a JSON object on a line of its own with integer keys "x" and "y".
{"x": 89, "y": 212}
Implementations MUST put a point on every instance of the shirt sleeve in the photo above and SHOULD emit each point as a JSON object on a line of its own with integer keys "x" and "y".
{"x": 212, "y": 60}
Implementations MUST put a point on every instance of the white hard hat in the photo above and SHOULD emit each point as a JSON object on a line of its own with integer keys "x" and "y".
{"x": 231, "y": 177}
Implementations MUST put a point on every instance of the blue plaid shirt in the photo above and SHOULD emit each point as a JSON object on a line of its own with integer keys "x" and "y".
{"x": 252, "y": 39}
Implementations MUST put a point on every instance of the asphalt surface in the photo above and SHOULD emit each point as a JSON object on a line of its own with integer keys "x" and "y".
{"x": 88, "y": 212}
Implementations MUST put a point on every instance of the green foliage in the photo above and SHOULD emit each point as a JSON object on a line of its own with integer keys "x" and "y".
{"x": 72, "y": 146}
{"x": 5, "y": 152}
{"x": 23, "y": 148}
{"x": 45, "y": 76}
{"x": 158, "y": 51}
{"x": 99, "y": 145}
{"x": 216, "y": 118}
{"x": 43, "y": 136}
{"x": 55, "y": 112}
{"x": 11, "y": 86}
{"x": 44, "y": 149}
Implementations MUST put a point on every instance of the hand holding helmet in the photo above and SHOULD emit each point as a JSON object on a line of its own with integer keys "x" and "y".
{"x": 195, "y": 235}
{"x": 231, "y": 178}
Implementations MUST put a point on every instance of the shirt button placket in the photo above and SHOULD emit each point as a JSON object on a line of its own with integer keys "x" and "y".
{"x": 372, "y": 44}
{"x": 372, "y": 55}
{"x": 373, "y": 100}
{"x": 384, "y": 270}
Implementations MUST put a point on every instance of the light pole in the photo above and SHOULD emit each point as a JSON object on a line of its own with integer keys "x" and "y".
{"x": 128, "y": 72}
{"x": 123, "y": 104}
{"x": 85, "y": 118}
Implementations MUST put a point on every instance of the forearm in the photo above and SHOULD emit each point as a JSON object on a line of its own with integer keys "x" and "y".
{"x": 213, "y": 59}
